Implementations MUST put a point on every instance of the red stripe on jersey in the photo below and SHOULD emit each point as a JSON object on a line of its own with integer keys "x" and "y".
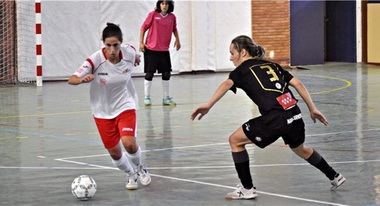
{"x": 38, "y": 7}
{"x": 38, "y": 49}
{"x": 38, "y": 29}
{"x": 92, "y": 63}
{"x": 104, "y": 53}
{"x": 39, "y": 70}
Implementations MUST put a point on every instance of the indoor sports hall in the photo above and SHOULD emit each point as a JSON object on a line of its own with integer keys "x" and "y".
{"x": 48, "y": 136}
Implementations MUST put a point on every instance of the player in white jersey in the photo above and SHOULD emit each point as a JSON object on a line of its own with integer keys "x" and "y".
{"x": 114, "y": 102}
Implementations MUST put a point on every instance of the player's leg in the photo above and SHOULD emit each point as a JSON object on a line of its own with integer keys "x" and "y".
{"x": 315, "y": 159}
{"x": 295, "y": 141}
{"x": 127, "y": 130}
{"x": 147, "y": 88}
{"x": 110, "y": 136}
{"x": 165, "y": 67}
{"x": 237, "y": 141}
{"x": 149, "y": 70}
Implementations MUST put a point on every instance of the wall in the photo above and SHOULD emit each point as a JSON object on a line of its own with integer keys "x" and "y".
{"x": 270, "y": 28}
{"x": 373, "y": 40}
{"x": 71, "y": 31}
{"x": 307, "y": 32}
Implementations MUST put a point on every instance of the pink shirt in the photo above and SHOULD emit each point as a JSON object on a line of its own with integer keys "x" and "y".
{"x": 160, "y": 30}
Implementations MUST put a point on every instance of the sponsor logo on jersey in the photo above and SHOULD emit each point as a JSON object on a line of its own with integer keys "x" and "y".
{"x": 278, "y": 85}
{"x": 295, "y": 117}
{"x": 258, "y": 139}
{"x": 102, "y": 73}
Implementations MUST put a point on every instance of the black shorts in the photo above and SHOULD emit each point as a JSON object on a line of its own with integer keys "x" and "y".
{"x": 265, "y": 130}
{"x": 157, "y": 61}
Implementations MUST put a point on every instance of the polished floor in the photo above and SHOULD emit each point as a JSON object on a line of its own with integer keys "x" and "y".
{"x": 48, "y": 137}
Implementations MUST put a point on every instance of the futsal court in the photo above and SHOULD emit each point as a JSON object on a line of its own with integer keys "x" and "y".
{"x": 48, "y": 137}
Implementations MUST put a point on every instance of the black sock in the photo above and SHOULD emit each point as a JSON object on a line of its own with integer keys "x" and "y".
{"x": 241, "y": 161}
{"x": 319, "y": 162}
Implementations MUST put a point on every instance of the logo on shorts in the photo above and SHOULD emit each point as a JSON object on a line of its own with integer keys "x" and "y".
{"x": 127, "y": 129}
{"x": 246, "y": 127}
{"x": 258, "y": 139}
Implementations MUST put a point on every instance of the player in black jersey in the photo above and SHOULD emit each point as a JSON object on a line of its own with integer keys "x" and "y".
{"x": 267, "y": 85}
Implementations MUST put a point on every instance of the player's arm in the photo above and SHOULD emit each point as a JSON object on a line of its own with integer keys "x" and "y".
{"x": 82, "y": 74}
{"x": 219, "y": 93}
{"x": 144, "y": 27}
{"x": 177, "y": 43}
{"x": 302, "y": 91}
{"x": 142, "y": 35}
{"x": 75, "y": 80}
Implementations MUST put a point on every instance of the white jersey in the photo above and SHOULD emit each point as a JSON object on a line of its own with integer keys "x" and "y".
{"x": 112, "y": 90}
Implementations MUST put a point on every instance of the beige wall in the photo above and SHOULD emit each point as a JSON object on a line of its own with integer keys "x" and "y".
{"x": 373, "y": 42}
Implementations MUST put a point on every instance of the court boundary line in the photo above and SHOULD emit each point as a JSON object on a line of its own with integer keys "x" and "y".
{"x": 213, "y": 184}
{"x": 219, "y": 143}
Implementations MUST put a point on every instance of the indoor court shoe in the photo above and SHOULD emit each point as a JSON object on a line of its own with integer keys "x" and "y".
{"x": 147, "y": 101}
{"x": 144, "y": 175}
{"x": 242, "y": 194}
{"x": 168, "y": 101}
{"x": 132, "y": 181}
{"x": 337, "y": 181}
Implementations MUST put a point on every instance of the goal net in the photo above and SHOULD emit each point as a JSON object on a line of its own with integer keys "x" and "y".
{"x": 8, "y": 71}
{"x": 17, "y": 23}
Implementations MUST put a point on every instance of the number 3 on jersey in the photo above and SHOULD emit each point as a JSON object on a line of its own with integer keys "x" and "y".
{"x": 268, "y": 78}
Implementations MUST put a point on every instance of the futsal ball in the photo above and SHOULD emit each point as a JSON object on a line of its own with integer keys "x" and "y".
{"x": 83, "y": 187}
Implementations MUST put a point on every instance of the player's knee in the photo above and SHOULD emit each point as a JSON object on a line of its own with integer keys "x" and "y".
{"x": 166, "y": 76}
{"x": 233, "y": 140}
{"x": 149, "y": 76}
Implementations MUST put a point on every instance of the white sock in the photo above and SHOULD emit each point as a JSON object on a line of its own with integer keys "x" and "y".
{"x": 165, "y": 88}
{"x": 147, "y": 86}
{"x": 123, "y": 164}
{"x": 135, "y": 158}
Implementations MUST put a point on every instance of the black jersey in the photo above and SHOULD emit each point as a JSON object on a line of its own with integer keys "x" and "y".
{"x": 264, "y": 82}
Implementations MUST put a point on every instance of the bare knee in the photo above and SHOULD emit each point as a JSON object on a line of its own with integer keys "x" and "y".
{"x": 236, "y": 143}
{"x": 129, "y": 144}
{"x": 115, "y": 152}
{"x": 303, "y": 152}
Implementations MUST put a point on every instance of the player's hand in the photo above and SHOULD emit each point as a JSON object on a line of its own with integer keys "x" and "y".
{"x": 87, "y": 78}
{"x": 177, "y": 45}
{"x": 142, "y": 47}
{"x": 316, "y": 114}
{"x": 202, "y": 110}
{"x": 137, "y": 59}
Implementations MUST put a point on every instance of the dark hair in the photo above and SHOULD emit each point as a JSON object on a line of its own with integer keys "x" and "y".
{"x": 245, "y": 42}
{"x": 112, "y": 30}
{"x": 171, "y": 6}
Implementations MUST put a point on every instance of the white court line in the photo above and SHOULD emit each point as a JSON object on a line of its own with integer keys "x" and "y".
{"x": 52, "y": 168}
{"x": 263, "y": 165}
{"x": 215, "y": 185}
{"x": 91, "y": 166}
{"x": 214, "y": 144}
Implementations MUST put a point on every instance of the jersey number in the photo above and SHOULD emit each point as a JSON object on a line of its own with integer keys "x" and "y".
{"x": 268, "y": 79}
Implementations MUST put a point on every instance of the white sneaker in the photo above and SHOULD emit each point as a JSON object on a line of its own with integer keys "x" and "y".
{"x": 147, "y": 101}
{"x": 168, "y": 101}
{"x": 337, "y": 181}
{"x": 242, "y": 194}
{"x": 132, "y": 181}
{"x": 144, "y": 175}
